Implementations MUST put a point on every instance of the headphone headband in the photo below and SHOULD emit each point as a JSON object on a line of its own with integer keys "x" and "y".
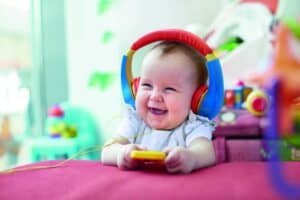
{"x": 212, "y": 102}
{"x": 173, "y": 35}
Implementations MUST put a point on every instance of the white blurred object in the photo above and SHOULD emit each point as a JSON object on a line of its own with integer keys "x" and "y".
{"x": 245, "y": 20}
{"x": 251, "y": 23}
{"x": 14, "y": 16}
{"x": 13, "y": 97}
{"x": 246, "y": 59}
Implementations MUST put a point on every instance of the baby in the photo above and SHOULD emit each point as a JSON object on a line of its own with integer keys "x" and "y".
{"x": 163, "y": 121}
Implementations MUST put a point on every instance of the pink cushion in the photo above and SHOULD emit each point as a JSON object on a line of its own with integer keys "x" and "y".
{"x": 92, "y": 180}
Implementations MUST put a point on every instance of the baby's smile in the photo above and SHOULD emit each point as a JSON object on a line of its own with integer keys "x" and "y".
{"x": 157, "y": 111}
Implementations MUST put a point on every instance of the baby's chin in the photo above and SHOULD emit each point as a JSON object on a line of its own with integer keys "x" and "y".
{"x": 161, "y": 126}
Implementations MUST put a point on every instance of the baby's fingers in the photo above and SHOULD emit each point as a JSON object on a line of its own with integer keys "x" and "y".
{"x": 140, "y": 148}
{"x": 131, "y": 164}
{"x": 175, "y": 169}
{"x": 172, "y": 160}
{"x": 168, "y": 150}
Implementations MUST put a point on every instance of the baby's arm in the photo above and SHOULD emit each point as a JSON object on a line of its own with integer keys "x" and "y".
{"x": 118, "y": 153}
{"x": 200, "y": 153}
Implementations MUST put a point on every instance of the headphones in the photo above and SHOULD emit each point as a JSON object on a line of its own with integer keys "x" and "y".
{"x": 207, "y": 100}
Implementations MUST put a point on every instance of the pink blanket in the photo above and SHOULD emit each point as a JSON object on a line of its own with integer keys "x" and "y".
{"x": 92, "y": 180}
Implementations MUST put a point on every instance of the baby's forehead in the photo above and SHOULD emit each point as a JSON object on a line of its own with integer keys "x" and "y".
{"x": 161, "y": 51}
{"x": 168, "y": 71}
{"x": 173, "y": 60}
{"x": 158, "y": 54}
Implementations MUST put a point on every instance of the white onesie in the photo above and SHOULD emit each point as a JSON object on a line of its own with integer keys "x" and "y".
{"x": 138, "y": 132}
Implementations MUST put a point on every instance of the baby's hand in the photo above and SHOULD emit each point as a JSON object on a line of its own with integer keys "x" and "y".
{"x": 124, "y": 161}
{"x": 179, "y": 159}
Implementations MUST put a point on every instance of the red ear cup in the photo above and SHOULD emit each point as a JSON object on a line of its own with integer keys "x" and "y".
{"x": 135, "y": 84}
{"x": 198, "y": 97}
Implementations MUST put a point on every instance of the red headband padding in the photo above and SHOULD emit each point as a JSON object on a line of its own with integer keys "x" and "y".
{"x": 173, "y": 35}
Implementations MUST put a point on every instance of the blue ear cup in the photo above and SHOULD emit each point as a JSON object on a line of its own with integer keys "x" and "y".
{"x": 213, "y": 99}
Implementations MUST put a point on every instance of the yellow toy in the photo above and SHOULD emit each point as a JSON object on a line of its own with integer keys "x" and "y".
{"x": 257, "y": 103}
{"x": 148, "y": 155}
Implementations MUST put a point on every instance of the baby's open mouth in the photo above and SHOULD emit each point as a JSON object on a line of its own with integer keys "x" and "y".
{"x": 157, "y": 111}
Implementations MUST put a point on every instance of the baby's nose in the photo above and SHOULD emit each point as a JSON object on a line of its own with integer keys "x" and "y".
{"x": 156, "y": 95}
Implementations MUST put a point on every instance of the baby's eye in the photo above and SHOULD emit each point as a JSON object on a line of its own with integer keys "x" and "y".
{"x": 146, "y": 86}
{"x": 170, "y": 89}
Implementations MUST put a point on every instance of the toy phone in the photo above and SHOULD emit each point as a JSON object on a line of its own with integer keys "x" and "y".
{"x": 148, "y": 155}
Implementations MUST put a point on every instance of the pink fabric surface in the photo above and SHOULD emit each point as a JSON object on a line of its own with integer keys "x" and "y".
{"x": 244, "y": 150}
{"x": 92, "y": 180}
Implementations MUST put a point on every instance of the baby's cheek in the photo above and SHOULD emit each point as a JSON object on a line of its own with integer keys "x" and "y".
{"x": 140, "y": 109}
{"x": 179, "y": 106}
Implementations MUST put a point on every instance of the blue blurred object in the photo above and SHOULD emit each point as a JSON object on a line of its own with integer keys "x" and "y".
{"x": 53, "y": 148}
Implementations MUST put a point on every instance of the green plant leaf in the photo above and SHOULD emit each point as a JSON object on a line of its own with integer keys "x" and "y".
{"x": 104, "y": 5}
{"x": 107, "y": 36}
{"x": 101, "y": 80}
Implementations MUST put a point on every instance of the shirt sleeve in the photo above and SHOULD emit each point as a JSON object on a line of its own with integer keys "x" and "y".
{"x": 198, "y": 126}
{"x": 129, "y": 125}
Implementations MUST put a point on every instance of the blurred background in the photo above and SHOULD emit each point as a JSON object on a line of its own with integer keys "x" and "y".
{"x": 60, "y": 62}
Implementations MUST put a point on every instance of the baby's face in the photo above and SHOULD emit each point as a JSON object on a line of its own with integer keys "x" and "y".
{"x": 166, "y": 88}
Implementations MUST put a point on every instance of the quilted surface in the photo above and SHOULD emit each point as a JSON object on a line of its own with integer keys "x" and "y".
{"x": 92, "y": 180}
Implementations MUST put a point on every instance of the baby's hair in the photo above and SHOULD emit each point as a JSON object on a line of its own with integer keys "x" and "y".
{"x": 198, "y": 59}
